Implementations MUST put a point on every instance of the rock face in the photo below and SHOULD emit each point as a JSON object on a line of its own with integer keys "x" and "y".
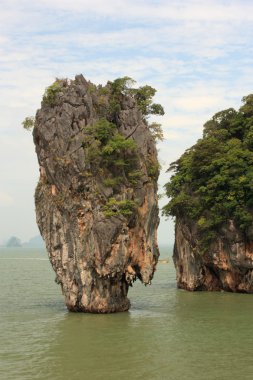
{"x": 227, "y": 265}
{"x": 210, "y": 197}
{"x": 96, "y": 200}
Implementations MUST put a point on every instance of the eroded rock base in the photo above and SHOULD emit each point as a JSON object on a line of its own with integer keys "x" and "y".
{"x": 227, "y": 265}
{"x": 106, "y": 296}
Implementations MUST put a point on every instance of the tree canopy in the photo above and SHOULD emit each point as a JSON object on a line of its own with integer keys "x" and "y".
{"x": 143, "y": 95}
{"x": 213, "y": 180}
{"x": 28, "y": 123}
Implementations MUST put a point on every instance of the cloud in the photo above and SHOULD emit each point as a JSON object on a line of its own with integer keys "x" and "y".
{"x": 172, "y": 135}
{"x": 193, "y": 103}
{"x": 197, "y": 54}
{"x": 149, "y": 10}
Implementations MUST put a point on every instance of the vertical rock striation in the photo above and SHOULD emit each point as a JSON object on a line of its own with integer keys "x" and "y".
{"x": 96, "y": 200}
{"x": 226, "y": 265}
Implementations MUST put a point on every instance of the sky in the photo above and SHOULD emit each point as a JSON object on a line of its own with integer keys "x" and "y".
{"x": 197, "y": 54}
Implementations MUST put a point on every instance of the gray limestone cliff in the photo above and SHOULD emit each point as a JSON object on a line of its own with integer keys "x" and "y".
{"x": 226, "y": 265}
{"x": 96, "y": 200}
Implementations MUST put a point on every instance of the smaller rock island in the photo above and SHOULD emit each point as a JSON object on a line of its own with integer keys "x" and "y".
{"x": 96, "y": 200}
{"x": 211, "y": 198}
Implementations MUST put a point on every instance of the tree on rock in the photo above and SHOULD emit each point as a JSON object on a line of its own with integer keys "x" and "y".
{"x": 211, "y": 198}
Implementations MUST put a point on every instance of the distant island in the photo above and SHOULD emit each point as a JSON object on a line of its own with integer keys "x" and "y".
{"x": 34, "y": 242}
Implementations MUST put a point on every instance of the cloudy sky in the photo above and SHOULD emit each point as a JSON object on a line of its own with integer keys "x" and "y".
{"x": 197, "y": 54}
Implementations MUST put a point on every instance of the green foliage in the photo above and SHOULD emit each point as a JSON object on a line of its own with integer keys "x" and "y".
{"x": 143, "y": 96}
{"x": 118, "y": 88}
{"x": 105, "y": 146}
{"x": 96, "y": 136}
{"x": 160, "y": 196}
{"x": 93, "y": 151}
{"x": 120, "y": 155}
{"x": 51, "y": 92}
{"x": 156, "y": 131}
{"x": 134, "y": 176}
{"x": 116, "y": 208}
{"x": 103, "y": 91}
{"x": 102, "y": 130}
{"x": 28, "y": 123}
{"x": 92, "y": 88}
{"x": 153, "y": 169}
{"x": 122, "y": 85}
{"x": 118, "y": 144}
{"x": 213, "y": 180}
{"x": 155, "y": 109}
{"x": 247, "y": 108}
{"x": 101, "y": 101}
{"x": 113, "y": 182}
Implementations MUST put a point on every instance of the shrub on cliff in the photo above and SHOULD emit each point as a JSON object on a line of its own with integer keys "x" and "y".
{"x": 105, "y": 147}
{"x": 213, "y": 180}
{"x": 28, "y": 123}
{"x": 116, "y": 208}
{"x": 143, "y": 96}
{"x": 51, "y": 92}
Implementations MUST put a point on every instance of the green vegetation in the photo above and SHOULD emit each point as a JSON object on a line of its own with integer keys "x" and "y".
{"x": 143, "y": 96}
{"x": 120, "y": 155}
{"x": 116, "y": 208}
{"x": 96, "y": 136}
{"x": 102, "y": 130}
{"x": 156, "y": 131}
{"x": 105, "y": 147}
{"x": 134, "y": 176}
{"x": 113, "y": 182}
{"x": 122, "y": 85}
{"x": 28, "y": 123}
{"x": 213, "y": 180}
{"x": 118, "y": 144}
{"x": 51, "y": 92}
{"x": 153, "y": 168}
{"x": 104, "y": 144}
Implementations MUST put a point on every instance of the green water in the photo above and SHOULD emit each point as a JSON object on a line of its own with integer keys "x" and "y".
{"x": 167, "y": 334}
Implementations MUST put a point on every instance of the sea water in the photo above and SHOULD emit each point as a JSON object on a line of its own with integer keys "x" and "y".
{"x": 167, "y": 334}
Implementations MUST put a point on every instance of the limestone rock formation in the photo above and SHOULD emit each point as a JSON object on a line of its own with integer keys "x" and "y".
{"x": 211, "y": 199}
{"x": 96, "y": 200}
{"x": 227, "y": 264}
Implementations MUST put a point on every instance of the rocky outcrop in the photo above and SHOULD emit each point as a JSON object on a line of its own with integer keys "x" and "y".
{"x": 226, "y": 265}
{"x": 96, "y": 200}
